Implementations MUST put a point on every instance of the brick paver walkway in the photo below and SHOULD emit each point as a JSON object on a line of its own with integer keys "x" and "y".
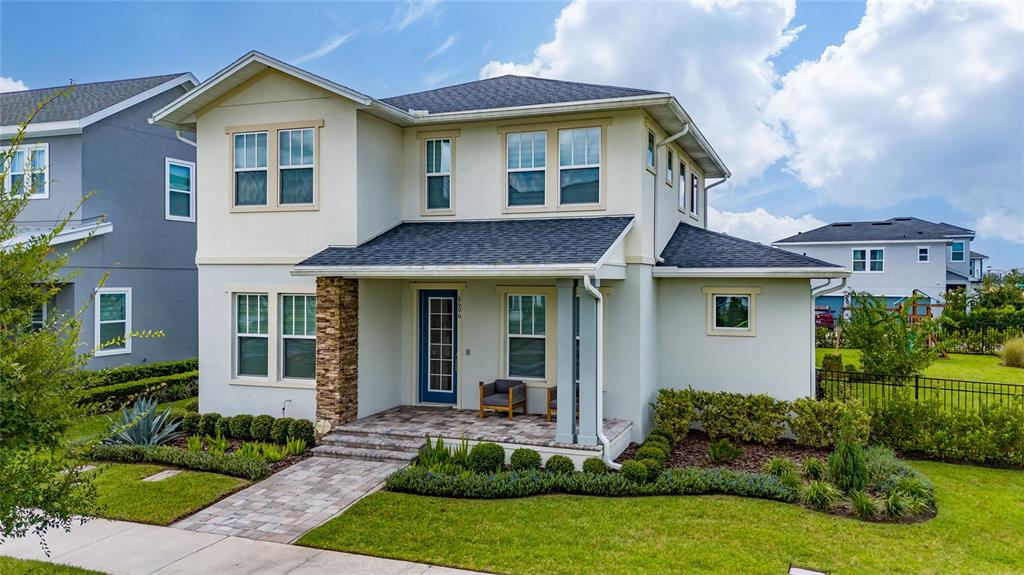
{"x": 287, "y": 504}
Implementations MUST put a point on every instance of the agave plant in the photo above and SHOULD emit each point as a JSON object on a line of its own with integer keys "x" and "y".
{"x": 140, "y": 424}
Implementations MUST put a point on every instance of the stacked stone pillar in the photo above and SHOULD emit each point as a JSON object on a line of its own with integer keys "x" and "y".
{"x": 337, "y": 349}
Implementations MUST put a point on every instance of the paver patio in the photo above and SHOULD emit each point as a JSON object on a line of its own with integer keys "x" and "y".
{"x": 289, "y": 503}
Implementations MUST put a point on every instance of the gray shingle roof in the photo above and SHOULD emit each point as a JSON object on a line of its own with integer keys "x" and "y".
{"x": 693, "y": 247}
{"x": 891, "y": 229}
{"x": 976, "y": 255}
{"x": 506, "y": 92}
{"x": 492, "y": 242}
{"x": 86, "y": 99}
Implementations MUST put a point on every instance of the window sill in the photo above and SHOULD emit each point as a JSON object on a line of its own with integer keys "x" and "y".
{"x": 277, "y": 208}
{"x": 737, "y": 333}
{"x": 284, "y": 384}
{"x": 105, "y": 353}
{"x": 437, "y": 212}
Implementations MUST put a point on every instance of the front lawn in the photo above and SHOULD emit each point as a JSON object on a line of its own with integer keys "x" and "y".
{"x": 957, "y": 366}
{"x": 12, "y": 566}
{"x": 977, "y": 530}
{"x": 123, "y": 495}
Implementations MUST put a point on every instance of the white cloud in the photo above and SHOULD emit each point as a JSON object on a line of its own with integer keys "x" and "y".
{"x": 714, "y": 56}
{"x": 326, "y": 48}
{"x": 759, "y": 225}
{"x": 410, "y": 12}
{"x": 11, "y": 85}
{"x": 443, "y": 47}
{"x": 921, "y": 101}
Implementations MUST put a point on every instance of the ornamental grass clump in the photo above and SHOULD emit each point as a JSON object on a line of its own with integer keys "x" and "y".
{"x": 814, "y": 468}
{"x": 779, "y": 466}
{"x": 864, "y": 507}
{"x": 820, "y": 495}
{"x": 1012, "y": 352}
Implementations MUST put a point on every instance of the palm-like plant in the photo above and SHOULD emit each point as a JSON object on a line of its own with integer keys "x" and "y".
{"x": 140, "y": 424}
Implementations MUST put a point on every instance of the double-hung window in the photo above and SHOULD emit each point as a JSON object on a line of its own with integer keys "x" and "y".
{"x": 868, "y": 260}
{"x": 298, "y": 336}
{"x": 669, "y": 168}
{"x": 30, "y": 170}
{"x": 958, "y": 252}
{"x": 579, "y": 162}
{"x": 113, "y": 321}
{"x": 527, "y": 157}
{"x": 526, "y": 341}
{"x": 923, "y": 255}
{"x": 251, "y": 329}
{"x": 250, "y": 169}
{"x": 295, "y": 166}
{"x": 439, "y": 174}
{"x": 694, "y": 194}
{"x": 877, "y": 263}
{"x": 179, "y": 178}
{"x": 682, "y": 187}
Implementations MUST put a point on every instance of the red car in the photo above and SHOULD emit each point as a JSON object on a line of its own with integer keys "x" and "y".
{"x": 823, "y": 317}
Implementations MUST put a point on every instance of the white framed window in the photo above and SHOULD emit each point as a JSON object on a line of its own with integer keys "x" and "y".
{"x": 526, "y": 161}
{"x": 670, "y": 163}
{"x": 682, "y": 186}
{"x": 957, "y": 252}
{"x": 868, "y": 260}
{"x": 694, "y": 194}
{"x": 526, "y": 336}
{"x": 113, "y": 321}
{"x": 651, "y": 153}
{"x": 250, "y": 168}
{"x": 179, "y": 190}
{"x": 579, "y": 166}
{"x": 298, "y": 336}
{"x": 923, "y": 254}
{"x": 40, "y": 314}
{"x": 251, "y": 334}
{"x": 439, "y": 174}
{"x": 295, "y": 166}
{"x": 30, "y": 170}
{"x": 732, "y": 310}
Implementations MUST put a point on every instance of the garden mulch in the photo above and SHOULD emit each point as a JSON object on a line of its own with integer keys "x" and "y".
{"x": 692, "y": 451}
{"x": 234, "y": 444}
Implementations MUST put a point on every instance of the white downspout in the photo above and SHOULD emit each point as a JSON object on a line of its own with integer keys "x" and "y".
{"x": 815, "y": 293}
{"x": 177, "y": 134}
{"x": 605, "y": 452}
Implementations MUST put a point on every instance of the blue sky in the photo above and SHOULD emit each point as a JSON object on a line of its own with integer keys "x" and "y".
{"x": 865, "y": 132}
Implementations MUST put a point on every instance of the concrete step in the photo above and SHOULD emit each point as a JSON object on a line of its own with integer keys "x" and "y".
{"x": 340, "y": 452}
{"x": 380, "y": 442}
{"x": 352, "y": 429}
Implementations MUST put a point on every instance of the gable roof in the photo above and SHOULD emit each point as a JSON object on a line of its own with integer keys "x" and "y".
{"x": 893, "y": 229}
{"x": 486, "y": 246}
{"x": 704, "y": 251}
{"x": 978, "y": 256}
{"x": 508, "y": 92}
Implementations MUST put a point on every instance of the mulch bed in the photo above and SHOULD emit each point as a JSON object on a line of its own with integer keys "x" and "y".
{"x": 693, "y": 452}
{"x": 233, "y": 444}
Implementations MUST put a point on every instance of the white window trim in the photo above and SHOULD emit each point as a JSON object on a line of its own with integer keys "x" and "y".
{"x": 867, "y": 260}
{"x": 670, "y": 174}
{"x": 543, "y": 169}
{"x": 600, "y": 170}
{"x": 651, "y": 152}
{"x": 427, "y": 174}
{"x": 97, "y": 352}
{"x": 750, "y": 292}
{"x": 927, "y": 254}
{"x": 236, "y": 348}
{"x": 266, "y": 168}
{"x": 694, "y": 194}
{"x": 683, "y": 192}
{"x": 282, "y": 337}
{"x": 509, "y": 336}
{"x": 191, "y": 194}
{"x": 281, "y": 167}
{"x": 45, "y": 313}
{"x": 28, "y": 148}
{"x": 963, "y": 251}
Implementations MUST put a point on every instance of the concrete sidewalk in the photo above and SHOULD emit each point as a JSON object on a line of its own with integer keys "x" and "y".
{"x": 120, "y": 547}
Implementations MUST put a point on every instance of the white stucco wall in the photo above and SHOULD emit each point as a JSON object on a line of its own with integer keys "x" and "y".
{"x": 379, "y": 147}
{"x": 776, "y": 361}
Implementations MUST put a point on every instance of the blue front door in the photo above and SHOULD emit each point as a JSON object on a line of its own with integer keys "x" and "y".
{"x": 438, "y": 345}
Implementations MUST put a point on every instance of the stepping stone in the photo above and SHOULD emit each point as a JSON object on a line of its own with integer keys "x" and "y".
{"x": 803, "y": 571}
{"x": 162, "y": 475}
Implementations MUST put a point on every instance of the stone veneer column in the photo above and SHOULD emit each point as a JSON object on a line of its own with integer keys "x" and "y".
{"x": 337, "y": 349}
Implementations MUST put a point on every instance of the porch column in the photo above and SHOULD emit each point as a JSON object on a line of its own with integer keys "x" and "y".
{"x": 587, "y": 433}
{"x": 337, "y": 349}
{"x": 565, "y": 429}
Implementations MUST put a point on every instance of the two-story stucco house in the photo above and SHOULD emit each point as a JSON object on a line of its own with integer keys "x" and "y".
{"x": 139, "y": 222}
{"x": 358, "y": 254}
{"x": 893, "y": 258}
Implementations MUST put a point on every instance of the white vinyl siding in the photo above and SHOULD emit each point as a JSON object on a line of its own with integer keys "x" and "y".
{"x": 179, "y": 190}
{"x": 113, "y": 321}
{"x": 298, "y": 336}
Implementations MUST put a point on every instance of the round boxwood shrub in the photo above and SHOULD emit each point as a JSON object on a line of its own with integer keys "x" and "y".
{"x": 241, "y": 426}
{"x": 190, "y": 423}
{"x": 652, "y": 452}
{"x": 662, "y": 431}
{"x": 634, "y": 471}
{"x": 560, "y": 464}
{"x": 224, "y": 426}
{"x": 302, "y": 429}
{"x": 594, "y": 465}
{"x": 523, "y": 459}
{"x": 486, "y": 457}
{"x": 208, "y": 423}
{"x": 279, "y": 432}
{"x": 654, "y": 468}
{"x": 659, "y": 442}
{"x": 261, "y": 427}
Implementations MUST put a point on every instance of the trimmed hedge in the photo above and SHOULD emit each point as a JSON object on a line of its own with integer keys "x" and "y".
{"x": 262, "y": 426}
{"x": 246, "y": 468}
{"x": 241, "y": 426}
{"x": 815, "y": 422}
{"x": 104, "y": 377}
{"x": 758, "y": 418}
{"x": 108, "y": 397}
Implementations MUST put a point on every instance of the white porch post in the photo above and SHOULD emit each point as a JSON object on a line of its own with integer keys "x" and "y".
{"x": 587, "y": 434}
{"x": 565, "y": 428}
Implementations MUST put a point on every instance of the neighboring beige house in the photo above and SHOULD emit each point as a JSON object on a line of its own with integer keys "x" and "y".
{"x": 357, "y": 254}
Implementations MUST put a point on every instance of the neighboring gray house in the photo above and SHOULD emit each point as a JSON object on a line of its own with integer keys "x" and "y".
{"x": 893, "y": 258}
{"x": 141, "y": 217}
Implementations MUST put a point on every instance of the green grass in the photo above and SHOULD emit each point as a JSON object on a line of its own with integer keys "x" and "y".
{"x": 958, "y": 366}
{"x": 93, "y": 426}
{"x": 977, "y": 530}
{"x": 123, "y": 495}
{"x": 12, "y": 566}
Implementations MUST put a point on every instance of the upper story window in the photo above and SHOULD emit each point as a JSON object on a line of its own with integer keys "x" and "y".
{"x": 923, "y": 255}
{"x": 251, "y": 169}
{"x": 579, "y": 166}
{"x": 179, "y": 178}
{"x": 29, "y": 171}
{"x": 439, "y": 174}
{"x": 958, "y": 252}
{"x": 651, "y": 153}
{"x": 694, "y": 194}
{"x": 682, "y": 187}
{"x": 975, "y": 265}
{"x": 527, "y": 158}
{"x": 669, "y": 167}
{"x": 295, "y": 164}
{"x": 868, "y": 260}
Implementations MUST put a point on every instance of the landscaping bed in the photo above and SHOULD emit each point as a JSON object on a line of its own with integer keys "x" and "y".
{"x": 693, "y": 452}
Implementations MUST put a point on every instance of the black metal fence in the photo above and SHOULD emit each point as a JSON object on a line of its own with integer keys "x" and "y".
{"x": 952, "y": 393}
{"x": 987, "y": 340}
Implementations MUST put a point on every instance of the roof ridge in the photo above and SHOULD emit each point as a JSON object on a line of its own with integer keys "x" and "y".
{"x": 97, "y": 83}
{"x": 552, "y": 80}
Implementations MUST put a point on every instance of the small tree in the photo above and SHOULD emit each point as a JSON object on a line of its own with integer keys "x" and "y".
{"x": 890, "y": 342}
